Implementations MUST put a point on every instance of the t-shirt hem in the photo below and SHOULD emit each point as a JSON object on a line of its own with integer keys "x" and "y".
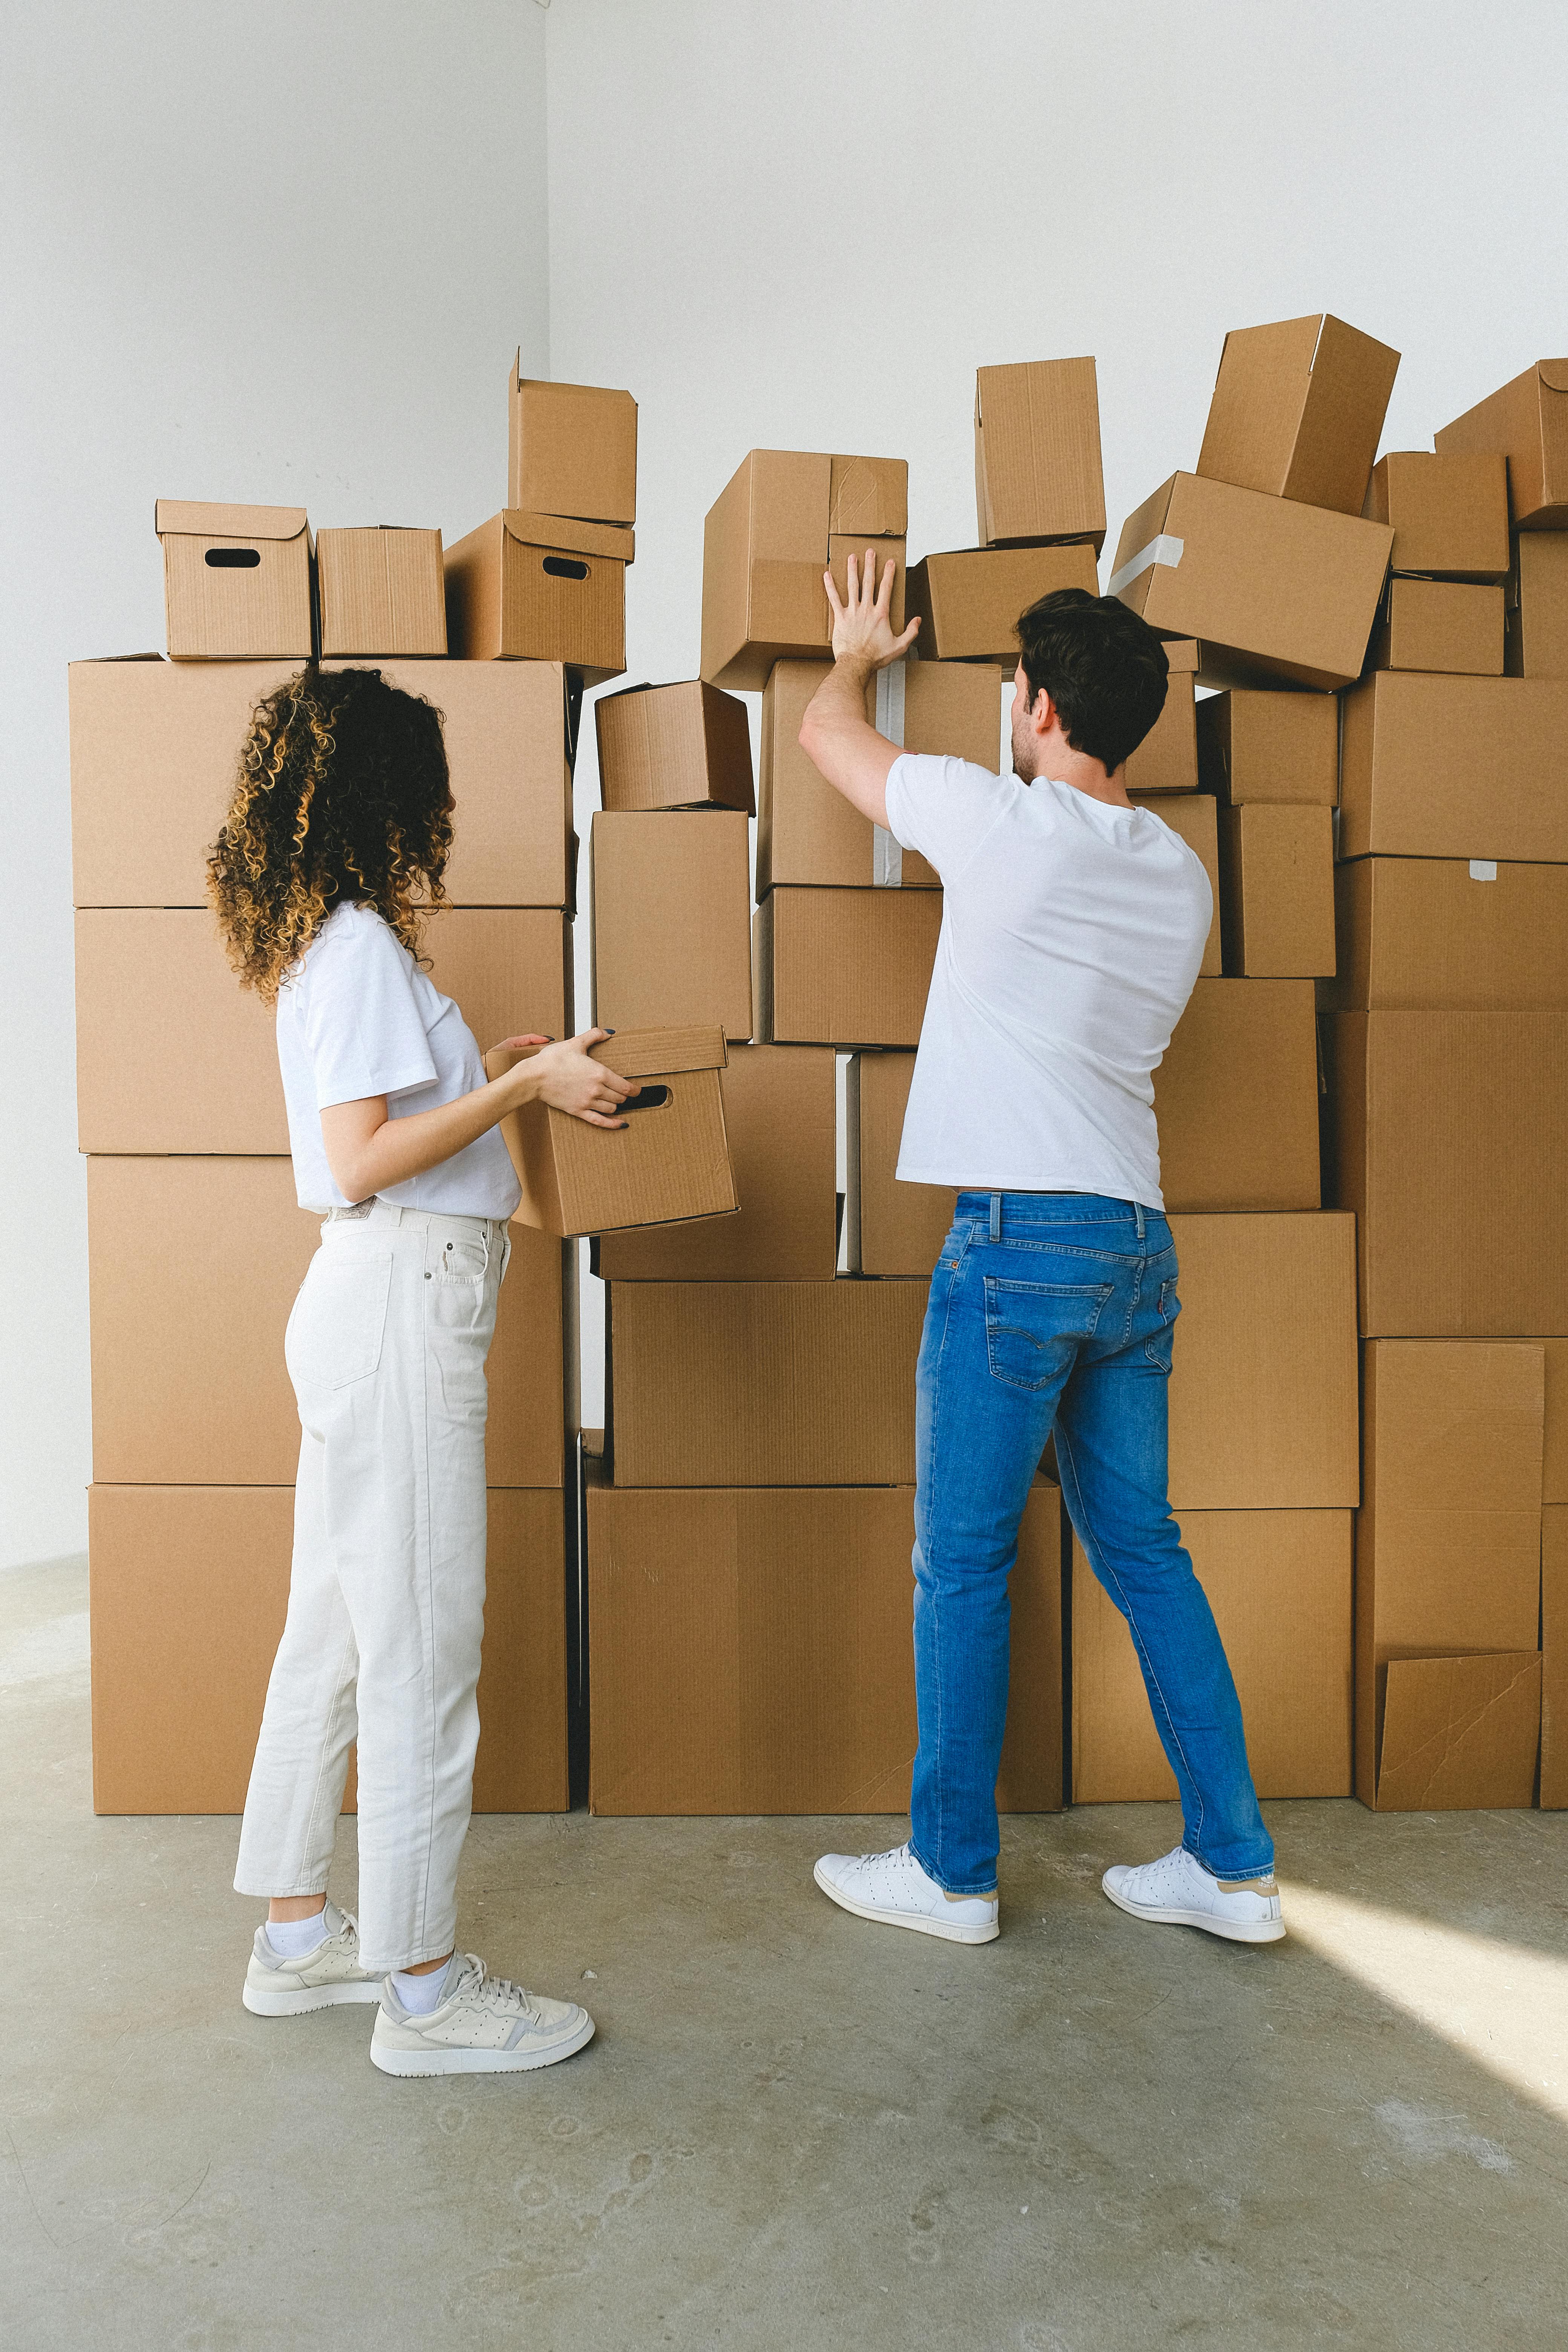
{"x": 1035, "y": 1182}
{"x": 401, "y": 1082}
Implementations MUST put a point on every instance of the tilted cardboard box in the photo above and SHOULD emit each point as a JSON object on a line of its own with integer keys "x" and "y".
{"x": 1275, "y": 591}
{"x": 674, "y": 747}
{"x": 890, "y": 1228}
{"x": 1526, "y": 420}
{"x": 1297, "y": 411}
{"x": 845, "y": 967}
{"x": 1194, "y": 817}
{"x": 1277, "y": 892}
{"x": 672, "y": 929}
{"x": 189, "y": 1590}
{"x": 1037, "y": 454}
{"x": 1454, "y": 767}
{"x": 767, "y": 540}
{"x": 1536, "y": 628}
{"x": 1554, "y": 1656}
{"x": 764, "y": 1383}
{"x": 381, "y": 592}
{"x": 533, "y": 587}
{"x": 1167, "y": 758}
{"x": 1449, "y": 934}
{"x": 969, "y": 598}
{"x": 1448, "y": 1684}
{"x": 780, "y": 1121}
{"x": 1449, "y": 514}
{"x": 572, "y": 449}
{"x": 751, "y": 1651}
{"x": 1454, "y": 625}
{"x": 1236, "y": 1098}
{"x": 1262, "y": 746}
{"x": 236, "y": 580}
{"x": 1280, "y": 1585}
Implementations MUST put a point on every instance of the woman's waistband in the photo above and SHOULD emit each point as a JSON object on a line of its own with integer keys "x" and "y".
{"x": 377, "y": 1211}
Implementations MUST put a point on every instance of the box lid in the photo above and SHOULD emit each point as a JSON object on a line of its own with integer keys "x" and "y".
{"x": 189, "y": 518}
{"x": 869, "y": 497}
{"x": 575, "y": 538}
{"x": 659, "y": 1053}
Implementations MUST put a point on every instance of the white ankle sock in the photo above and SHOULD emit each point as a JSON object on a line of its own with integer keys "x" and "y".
{"x": 292, "y": 1938}
{"x": 419, "y": 1994}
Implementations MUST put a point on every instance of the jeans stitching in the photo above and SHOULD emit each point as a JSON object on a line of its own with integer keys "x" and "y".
{"x": 955, "y": 1276}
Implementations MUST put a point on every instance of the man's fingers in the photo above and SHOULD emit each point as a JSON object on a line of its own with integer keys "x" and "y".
{"x": 832, "y": 596}
{"x": 900, "y": 644}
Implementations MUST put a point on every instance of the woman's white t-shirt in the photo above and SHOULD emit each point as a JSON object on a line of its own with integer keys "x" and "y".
{"x": 356, "y": 1017}
{"x": 1071, "y": 935}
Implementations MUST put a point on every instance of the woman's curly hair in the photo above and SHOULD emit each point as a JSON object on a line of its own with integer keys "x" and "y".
{"x": 343, "y": 794}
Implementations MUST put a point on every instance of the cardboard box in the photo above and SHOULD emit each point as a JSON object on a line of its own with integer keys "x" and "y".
{"x": 1236, "y": 1098}
{"x": 764, "y": 1383}
{"x": 1554, "y": 1656}
{"x": 189, "y": 1589}
{"x": 236, "y": 580}
{"x": 1449, "y": 934}
{"x": 845, "y": 968}
{"x": 1194, "y": 815}
{"x": 1449, "y": 1135}
{"x": 890, "y": 1227}
{"x": 969, "y": 599}
{"x": 1277, "y": 892}
{"x": 155, "y": 746}
{"x": 534, "y": 587}
{"x": 1167, "y": 758}
{"x": 204, "y": 1077}
{"x": 1297, "y": 411}
{"x": 1535, "y": 642}
{"x": 572, "y": 449}
{"x": 766, "y": 543}
{"x": 1448, "y": 1567}
{"x": 780, "y": 1125}
{"x": 1454, "y": 767}
{"x": 674, "y": 747}
{"x": 1280, "y": 1585}
{"x": 381, "y": 592}
{"x": 751, "y": 1651}
{"x": 189, "y": 1385}
{"x": 1275, "y": 591}
{"x": 672, "y": 932}
{"x": 1449, "y": 514}
{"x": 1268, "y": 746}
{"x": 1037, "y": 454}
{"x": 670, "y": 1160}
{"x": 1263, "y": 1396}
{"x": 1525, "y": 422}
{"x": 1440, "y": 624}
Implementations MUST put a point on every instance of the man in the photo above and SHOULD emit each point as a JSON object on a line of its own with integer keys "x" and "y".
{"x": 1073, "y": 926}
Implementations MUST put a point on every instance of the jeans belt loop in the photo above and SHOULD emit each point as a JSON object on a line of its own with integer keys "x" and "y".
{"x": 995, "y": 1216}
{"x": 1138, "y": 1213}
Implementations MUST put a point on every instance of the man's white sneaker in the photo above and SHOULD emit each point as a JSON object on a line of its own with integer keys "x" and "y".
{"x": 481, "y": 2025}
{"x": 277, "y": 1987}
{"x": 893, "y": 1889}
{"x": 1177, "y": 1891}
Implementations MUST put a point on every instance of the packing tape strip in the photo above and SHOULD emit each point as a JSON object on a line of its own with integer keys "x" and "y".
{"x": 888, "y": 855}
{"x": 1163, "y": 549}
{"x": 1483, "y": 870}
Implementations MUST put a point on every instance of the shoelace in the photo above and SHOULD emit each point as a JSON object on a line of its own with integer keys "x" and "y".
{"x": 503, "y": 1992}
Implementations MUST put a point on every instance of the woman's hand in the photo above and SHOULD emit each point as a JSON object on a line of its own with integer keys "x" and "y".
{"x": 566, "y": 1077}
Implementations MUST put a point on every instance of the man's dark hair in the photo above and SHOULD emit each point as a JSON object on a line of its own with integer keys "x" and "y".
{"x": 1102, "y": 666}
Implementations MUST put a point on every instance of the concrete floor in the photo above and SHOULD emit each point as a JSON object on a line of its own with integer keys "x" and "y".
{"x": 793, "y": 2130}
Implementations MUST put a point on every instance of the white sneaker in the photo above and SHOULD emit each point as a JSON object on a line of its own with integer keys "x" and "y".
{"x": 277, "y": 1987}
{"x": 1179, "y": 1892}
{"x": 482, "y": 2025}
{"x": 893, "y": 1888}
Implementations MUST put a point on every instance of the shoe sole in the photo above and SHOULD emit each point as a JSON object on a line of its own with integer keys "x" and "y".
{"x": 954, "y": 1931}
{"x": 309, "y": 1997}
{"x": 462, "y": 2061}
{"x": 1234, "y": 1931}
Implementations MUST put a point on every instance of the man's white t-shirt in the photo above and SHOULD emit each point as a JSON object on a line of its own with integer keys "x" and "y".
{"x": 355, "y": 1017}
{"x": 1071, "y": 935}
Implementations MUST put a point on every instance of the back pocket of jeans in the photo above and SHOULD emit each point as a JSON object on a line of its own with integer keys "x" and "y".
{"x": 336, "y": 1330}
{"x": 1033, "y": 1329}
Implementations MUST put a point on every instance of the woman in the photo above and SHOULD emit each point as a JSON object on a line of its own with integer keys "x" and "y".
{"x": 335, "y": 842}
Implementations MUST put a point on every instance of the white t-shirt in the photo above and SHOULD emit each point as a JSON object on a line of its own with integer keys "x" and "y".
{"x": 1071, "y": 935}
{"x": 358, "y": 1017}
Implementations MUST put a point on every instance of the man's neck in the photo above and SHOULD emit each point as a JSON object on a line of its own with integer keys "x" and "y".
{"x": 1088, "y": 777}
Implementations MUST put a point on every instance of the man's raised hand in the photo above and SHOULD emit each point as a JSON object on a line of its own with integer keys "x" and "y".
{"x": 861, "y": 628}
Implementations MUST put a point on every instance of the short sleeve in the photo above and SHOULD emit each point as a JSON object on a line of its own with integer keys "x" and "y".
{"x": 361, "y": 1025}
{"x": 944, "y": 807}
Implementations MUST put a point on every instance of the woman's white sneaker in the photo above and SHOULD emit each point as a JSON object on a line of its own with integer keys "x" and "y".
{"x": 1177, "y": 1891}
{"x": 276, "y": 1986}
{"x": 481, "y": 2025}
{"x": 893, "y": 1889}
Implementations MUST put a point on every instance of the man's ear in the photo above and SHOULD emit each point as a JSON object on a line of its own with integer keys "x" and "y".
{"x": 1042, "y": 712}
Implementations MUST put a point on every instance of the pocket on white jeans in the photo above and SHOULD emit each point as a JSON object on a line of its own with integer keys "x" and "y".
{"x": 335, "y": 1333}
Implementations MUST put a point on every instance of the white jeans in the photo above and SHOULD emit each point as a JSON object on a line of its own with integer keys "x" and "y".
{"x": 386, "y": 1349}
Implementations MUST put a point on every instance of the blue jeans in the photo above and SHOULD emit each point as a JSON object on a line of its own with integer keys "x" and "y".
{"x": 1056, "y": 1309}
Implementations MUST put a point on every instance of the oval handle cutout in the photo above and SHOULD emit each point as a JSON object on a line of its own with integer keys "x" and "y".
{"x": 565, "y": 567}
{"x": 234, "y": 559}
{"x": 650, "y": 1098}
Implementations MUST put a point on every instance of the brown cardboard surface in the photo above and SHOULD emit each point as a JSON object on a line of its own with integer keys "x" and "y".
{"x": 1458, "y": 1733}
{"x": 1280, "y": 1585}
{"x": 1454, "y": 767}
{"x": 530, "y": 587}
{"x": 1298, "y": 410}
{"x": 203, "y": 1076}
{"x": 890, "y": 1228}
{"x": 868, "y": 497}
{"x": 969, "y": 599}
{"x": 764, "y": 1383}
{"x": 845, "y": 967}
{"x": 1449, "y": 514}
{"x": 674, "y": 747}
{"x": 1536, "y": 633}
{"x": 1447, "y": 1137}
{"x": 189, "y": 1588}
{"x": 1276, "y": 891}
{"x": 751, "y": 1651}
{"x": 381, "y": 592}
{"x": 1167, "y": 758}
{"x": 766, "y": 544}
{"x": 189, "y": 1386}
{"x": 1037, "y": 454}
{"x": 1270, "y": 747}
{"x": 672, "y": 906}
{"x": 1527, "y": 422}
{"x": 952, "y": 709}
{"x": 1194, "y": 817}
{"x": 572, "y": 449}
{"x": 1440, "y": 624}
{"x": 1263, "y": 1395}
{"x": 1437, "y": 934}
{"x": 236, "y": 580}
{"x": 1236, "y": 1098}
{"x": 1554, "y": 1656}
{"x": 1276, "y": 592}
{"x": 780, "y": 1120}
